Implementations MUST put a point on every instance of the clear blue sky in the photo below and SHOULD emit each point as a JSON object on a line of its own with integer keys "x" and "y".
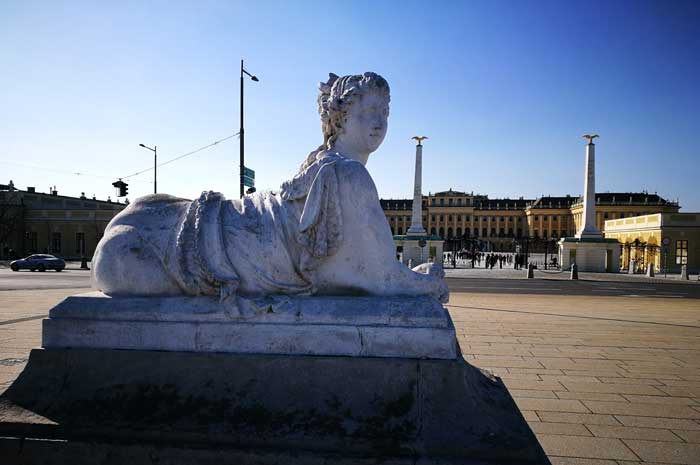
{"x": 504, "y": 90}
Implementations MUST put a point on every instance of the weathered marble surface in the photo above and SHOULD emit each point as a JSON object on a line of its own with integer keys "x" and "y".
{"x": 416, "y": 327}
{"x": 323, "y": 233}
{"x": 182, "y": 406}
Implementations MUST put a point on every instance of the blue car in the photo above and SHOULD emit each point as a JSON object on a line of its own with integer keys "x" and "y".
{"x": 40, "y": 262}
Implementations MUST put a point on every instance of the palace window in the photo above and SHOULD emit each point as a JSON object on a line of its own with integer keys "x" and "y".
{"x": 56, "y": 242}
{"x": 554, "y": 218}
{"x": 449, "y": 233}
{"x": 682, "y": 252}
{"x": 432, "y": 231}
{"x": 501, "y": 232}
{"x": 432, "y": 217}
{"x": 442, "y": 202}
{"x": 606, "y": 215}
{"x": 536, "y": 218}
{"x": 520, "y": 232}
{"x": 33, "y": 242}
{"x": 442, "y": 218}
{"x": 537, "y": 233}
{"x": 493, "y": 232}
{"x": 459, "y": 232}
{"x": 442, "y": 233}
{"x": 484, "y": 232}
{"x": 80, "y": 243}
{"x": 449, "y": 217}
{"x": 466, "y": 218}
{"x": 459, "y": 217}
{"x": 449, "y": 202}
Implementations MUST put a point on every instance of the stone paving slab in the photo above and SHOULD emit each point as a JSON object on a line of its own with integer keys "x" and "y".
{"x": 601, "y": 380}
{"x": 631, "y": 366}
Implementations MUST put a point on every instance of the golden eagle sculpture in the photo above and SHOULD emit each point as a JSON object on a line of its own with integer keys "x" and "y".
{"x": 590, "y": 137}
{"x": 419, "y": 139}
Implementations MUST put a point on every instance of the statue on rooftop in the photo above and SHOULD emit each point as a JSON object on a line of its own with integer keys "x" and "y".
{"x": 324, "y": 233}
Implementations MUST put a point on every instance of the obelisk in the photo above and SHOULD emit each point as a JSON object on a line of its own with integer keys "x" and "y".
{"x": 416, "y": 228}
{"x": 588, "y": 228}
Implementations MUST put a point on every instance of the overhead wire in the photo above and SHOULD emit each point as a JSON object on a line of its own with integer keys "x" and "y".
{"x": 77, "y": 173}
{"x": 181, "y": 156}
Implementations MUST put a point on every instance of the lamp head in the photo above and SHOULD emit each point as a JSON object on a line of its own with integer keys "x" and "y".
{"x": 141, "y": 145}
{"x": 255, "y": 78}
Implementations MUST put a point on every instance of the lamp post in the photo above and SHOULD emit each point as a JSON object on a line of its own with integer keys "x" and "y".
{"x": 155, "y": 165}
{"x": 242, "y": 133}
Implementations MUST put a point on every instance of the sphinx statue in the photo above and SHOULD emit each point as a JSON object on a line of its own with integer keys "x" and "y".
{"x": 323, "y": 233}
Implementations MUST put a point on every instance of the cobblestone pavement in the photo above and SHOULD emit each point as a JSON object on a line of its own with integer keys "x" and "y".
{"x": 601, "y": 380}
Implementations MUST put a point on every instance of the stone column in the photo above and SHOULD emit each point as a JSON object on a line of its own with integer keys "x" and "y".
{"x": 416, "y": 228}
{"x": 588, "y": 228}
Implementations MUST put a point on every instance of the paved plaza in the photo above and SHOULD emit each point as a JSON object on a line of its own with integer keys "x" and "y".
{"x": 602, "y": 378}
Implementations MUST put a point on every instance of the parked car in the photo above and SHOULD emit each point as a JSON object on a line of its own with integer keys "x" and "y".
{"x": 40, "y": 262}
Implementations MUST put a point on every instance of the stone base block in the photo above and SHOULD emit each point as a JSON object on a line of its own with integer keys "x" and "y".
{"x": 592, "y": 255}
{"x": 354, "y": 326}
{"x": 181, "y": 407}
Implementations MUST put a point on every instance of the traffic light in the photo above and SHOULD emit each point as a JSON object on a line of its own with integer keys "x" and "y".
{"x": 122, "y": 188}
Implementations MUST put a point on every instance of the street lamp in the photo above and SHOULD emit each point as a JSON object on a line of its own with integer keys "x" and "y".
{"x": 155, "y": 165}
{"x": 241, "y": 132}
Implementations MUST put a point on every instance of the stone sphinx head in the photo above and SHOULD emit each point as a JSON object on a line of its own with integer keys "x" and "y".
{"x": 354, "y": 111}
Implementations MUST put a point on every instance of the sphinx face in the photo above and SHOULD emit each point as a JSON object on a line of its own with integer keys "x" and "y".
{"x": 365, "y": 123}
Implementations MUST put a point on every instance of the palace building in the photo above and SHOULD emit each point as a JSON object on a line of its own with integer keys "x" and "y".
{"x": 500, "y": 224}
{"x": 36, "y": 222}
{"x": 666, "y": 240}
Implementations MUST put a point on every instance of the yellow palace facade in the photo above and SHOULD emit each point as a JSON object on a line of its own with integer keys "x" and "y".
{"x": 501, "y": 224}
{"x": 667, "y": 240}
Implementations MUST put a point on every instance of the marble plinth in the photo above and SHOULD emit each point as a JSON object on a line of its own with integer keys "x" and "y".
{"x": 411, "y": 251}
{"x": 409, "y": 327}
{"x": 591, "y": 255}
{"x": 87, "y": 406}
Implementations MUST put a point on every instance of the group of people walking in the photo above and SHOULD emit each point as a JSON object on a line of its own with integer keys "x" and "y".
{"x": 490, "y": 260}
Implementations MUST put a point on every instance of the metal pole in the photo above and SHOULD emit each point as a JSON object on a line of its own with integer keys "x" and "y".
{"x": 241, "y": 134}
{"x": 155, "y": 169}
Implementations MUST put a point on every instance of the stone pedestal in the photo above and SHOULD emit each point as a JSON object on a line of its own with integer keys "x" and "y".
{"x": 592, "y": 255}
{"x": 411, "y": 249}
{"x": 175, "y": 396}
{"x": 413, "y": 327}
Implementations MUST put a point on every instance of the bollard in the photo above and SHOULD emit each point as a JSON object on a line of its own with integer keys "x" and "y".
{"x": 630, "y": 270}
{"x": 530, "y": 271}
{"x": 574, "y": 271}
{"x": 684, "y": 272}
{"x": 83, "y": 264}
{"x": 650, "y": 270}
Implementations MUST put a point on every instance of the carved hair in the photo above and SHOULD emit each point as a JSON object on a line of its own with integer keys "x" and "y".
{"x": 334, "y": 98}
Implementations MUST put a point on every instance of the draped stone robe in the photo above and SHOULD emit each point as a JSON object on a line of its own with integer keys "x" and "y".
{"x": 265, "y": 243}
